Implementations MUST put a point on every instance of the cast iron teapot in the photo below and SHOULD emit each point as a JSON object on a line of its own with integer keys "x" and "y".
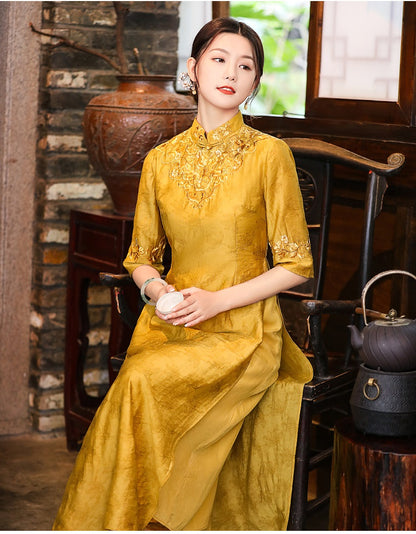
{"x": 388, "y": 343}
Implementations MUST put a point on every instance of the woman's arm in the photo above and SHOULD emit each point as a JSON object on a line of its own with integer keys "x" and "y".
{"x": 200, "y": 305}
{"x": 154, "y": 290}
{"x": 270, "y": 283}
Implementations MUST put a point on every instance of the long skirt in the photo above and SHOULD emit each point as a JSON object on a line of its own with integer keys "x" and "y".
{"x": 186, "y": 500}
{"x": 117, "y": 486}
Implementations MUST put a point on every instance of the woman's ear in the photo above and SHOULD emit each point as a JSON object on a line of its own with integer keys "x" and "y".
{"x": 191, "y": 64}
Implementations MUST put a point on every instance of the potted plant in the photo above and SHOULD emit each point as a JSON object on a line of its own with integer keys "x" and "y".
{"x": 120, "y": 127}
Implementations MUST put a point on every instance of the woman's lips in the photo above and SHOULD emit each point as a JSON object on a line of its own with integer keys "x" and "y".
{"x": 226, "y": 90}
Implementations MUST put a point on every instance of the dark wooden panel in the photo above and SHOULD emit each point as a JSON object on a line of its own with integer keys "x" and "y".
{"x": 373, "y": 481}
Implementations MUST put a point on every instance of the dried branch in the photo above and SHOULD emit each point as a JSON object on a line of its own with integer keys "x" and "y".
{"x": 72, "y": 44}
{"x": 140, "y": 69}
{"x": 121, "y": 13}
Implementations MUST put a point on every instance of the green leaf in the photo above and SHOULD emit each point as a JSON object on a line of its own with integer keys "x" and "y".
{"x": 279, "y": 24}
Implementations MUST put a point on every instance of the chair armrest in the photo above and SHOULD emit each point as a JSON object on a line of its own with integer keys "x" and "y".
{"x": 318, "y": 307}
{"x": 116, "y": 280}
{"x": 119, "y": 284}
{"x": 315, "y": 309}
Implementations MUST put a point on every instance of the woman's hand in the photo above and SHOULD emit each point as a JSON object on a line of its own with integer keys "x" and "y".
{"x": 198, "y": 305}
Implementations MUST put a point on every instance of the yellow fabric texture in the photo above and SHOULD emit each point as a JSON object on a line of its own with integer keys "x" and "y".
{"x": 219, "y": 200}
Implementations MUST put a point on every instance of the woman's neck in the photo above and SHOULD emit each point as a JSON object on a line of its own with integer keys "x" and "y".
{"x": 212, "y": 118}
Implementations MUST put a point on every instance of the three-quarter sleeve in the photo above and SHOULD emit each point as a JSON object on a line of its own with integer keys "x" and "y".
{"x": 287, "y": 230}
{"x": 148, "y": 239}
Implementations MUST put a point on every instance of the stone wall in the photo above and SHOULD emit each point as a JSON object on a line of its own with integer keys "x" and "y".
{"x": 19, "y": 74}
{"x": 65, "y": 180}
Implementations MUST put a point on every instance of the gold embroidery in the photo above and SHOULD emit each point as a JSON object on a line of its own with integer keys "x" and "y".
{"x": 199, "y": 165}
{"x": 155, "y": 255}
{"x": 283, "y": 249}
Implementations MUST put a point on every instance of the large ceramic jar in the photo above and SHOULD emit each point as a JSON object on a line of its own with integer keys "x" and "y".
{"x": 121, "y": 127}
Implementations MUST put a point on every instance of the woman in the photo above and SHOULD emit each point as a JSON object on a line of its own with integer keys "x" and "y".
{"x": 162, "y": 447}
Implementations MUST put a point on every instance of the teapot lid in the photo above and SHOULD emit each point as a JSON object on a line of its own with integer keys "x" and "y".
{"x": 392, "y": 320}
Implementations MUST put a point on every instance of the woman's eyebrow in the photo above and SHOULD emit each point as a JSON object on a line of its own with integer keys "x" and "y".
{"x": 224, "y": 51}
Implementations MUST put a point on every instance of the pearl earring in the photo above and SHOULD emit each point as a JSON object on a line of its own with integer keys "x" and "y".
{"x": 187, "y": 82}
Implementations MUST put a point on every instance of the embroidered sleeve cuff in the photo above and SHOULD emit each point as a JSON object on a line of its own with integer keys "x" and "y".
{"x": 294, "y": 256}
{"x": 139, "y": 255}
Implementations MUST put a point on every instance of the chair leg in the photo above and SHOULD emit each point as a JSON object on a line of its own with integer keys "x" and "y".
{"x": 301, "y": 475}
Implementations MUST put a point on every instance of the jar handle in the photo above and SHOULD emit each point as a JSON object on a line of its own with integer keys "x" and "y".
{"x": 371, "y": 383}
{"x": 374, "y": 279}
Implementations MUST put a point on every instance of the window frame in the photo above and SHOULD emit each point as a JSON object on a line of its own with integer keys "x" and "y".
{"x": 400, "y": 112}
{"x": 220, "y": 9}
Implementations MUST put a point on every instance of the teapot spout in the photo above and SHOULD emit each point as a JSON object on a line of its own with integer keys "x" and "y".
{"x": 356, "y": 337}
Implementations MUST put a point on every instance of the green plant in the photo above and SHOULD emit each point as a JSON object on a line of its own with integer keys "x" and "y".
{"x": 283, "y": 28}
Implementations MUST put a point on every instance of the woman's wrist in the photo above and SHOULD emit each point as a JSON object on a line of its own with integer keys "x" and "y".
{"x": 224, "y": 300}
{"x": 151, "y": 289}
{"x": 157, "y": 291}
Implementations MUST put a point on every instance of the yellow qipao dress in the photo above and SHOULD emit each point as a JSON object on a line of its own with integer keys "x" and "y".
{"x": 199, "y": 429}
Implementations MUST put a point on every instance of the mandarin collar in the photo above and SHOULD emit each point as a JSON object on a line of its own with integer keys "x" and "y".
{"x": 217, "y": 136}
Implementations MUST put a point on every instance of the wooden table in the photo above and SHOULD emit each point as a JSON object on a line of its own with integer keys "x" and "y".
{"x": 373, "y": 481}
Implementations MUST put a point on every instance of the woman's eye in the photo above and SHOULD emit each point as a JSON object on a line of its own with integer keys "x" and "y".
{"x": 245, "y": 67}
{"x": 218, "y": 59}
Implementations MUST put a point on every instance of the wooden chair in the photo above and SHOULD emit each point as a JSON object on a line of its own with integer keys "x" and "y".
{"x": 325, "y": 398}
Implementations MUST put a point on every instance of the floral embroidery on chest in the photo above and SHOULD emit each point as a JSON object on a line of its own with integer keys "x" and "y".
{"x": 199, "y": 166}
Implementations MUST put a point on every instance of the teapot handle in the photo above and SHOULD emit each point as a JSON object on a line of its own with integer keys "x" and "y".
{"x": 374, "y": 279}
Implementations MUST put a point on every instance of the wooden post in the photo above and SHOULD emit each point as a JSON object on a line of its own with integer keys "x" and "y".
{"x": 373, "y": 481}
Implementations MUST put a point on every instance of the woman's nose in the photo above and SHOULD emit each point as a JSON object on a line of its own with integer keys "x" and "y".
{"x": 230, "y": 77}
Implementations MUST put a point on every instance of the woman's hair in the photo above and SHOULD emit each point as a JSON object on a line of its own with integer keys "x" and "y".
{"x": 228, "y": 25}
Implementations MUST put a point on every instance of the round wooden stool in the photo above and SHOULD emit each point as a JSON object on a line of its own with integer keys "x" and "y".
{"x": 373, "y": 481}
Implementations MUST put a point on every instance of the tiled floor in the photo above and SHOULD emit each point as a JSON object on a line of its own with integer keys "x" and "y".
{"x": 33, "y": 474}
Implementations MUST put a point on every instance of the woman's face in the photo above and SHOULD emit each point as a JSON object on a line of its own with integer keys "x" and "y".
{"x": 225, "y": 72}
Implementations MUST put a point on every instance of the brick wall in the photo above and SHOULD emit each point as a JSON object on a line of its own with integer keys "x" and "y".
{"x": 65, "y": 179}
